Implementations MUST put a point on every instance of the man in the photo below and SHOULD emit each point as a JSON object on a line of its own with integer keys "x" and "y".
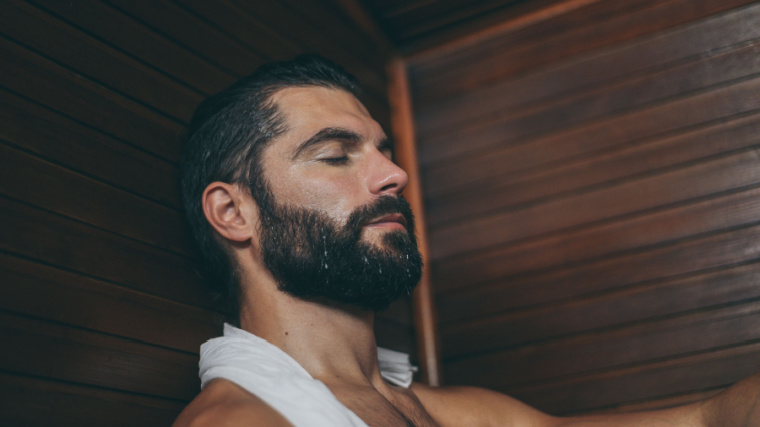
{"x": 291, "y": 191}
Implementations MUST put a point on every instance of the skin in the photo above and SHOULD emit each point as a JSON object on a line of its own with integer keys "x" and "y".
{"x": 336, "y": 345}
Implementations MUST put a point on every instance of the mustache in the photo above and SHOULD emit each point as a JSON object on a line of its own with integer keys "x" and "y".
{"x": 384, "y": 205}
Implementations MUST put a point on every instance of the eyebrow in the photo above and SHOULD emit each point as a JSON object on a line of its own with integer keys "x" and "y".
{"x": 328, "y": 134}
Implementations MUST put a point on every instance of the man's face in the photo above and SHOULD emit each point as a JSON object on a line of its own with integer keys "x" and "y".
{"x": 333, "y": 225}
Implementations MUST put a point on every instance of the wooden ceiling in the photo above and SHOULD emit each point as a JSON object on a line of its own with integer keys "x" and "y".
{"x": 416, "y": 24}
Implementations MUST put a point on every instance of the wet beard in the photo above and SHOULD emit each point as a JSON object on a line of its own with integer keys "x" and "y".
{"x": 312, "y": 257}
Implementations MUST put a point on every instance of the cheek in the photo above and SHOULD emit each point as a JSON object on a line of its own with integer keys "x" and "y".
{"x": 336, "y": 197}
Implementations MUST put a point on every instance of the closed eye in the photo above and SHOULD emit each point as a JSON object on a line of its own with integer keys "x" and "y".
{"x": 335, "y": 160}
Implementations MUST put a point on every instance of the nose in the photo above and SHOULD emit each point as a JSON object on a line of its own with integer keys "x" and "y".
{"x": 385, "y": 177}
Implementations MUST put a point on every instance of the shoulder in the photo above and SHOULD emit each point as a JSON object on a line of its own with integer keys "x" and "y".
{"x": 224, "y": 403}
{"x": 475, "y": 406}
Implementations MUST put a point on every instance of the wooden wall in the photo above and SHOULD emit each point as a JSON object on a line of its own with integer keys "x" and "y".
{"x": 101, "y": 309}
{"x": 593, "y": 195}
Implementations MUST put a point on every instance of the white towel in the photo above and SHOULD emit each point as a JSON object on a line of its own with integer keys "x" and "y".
{"x": 276, "y": 378}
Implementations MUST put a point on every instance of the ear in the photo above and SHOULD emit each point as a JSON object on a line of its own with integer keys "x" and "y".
{"x": 230, "y": 211}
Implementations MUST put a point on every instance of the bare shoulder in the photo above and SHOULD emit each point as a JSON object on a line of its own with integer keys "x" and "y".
{"x": 475, "y": 406}
{"x": 224, "y": 403}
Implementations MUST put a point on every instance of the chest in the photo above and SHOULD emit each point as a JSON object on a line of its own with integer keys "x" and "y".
{"x": 397, "y": 409}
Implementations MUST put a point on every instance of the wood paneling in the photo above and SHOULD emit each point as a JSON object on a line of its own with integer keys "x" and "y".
{"x": 101, "y": 300}
{"x": 35, "y": 402}
{"x": 592, "y": 193}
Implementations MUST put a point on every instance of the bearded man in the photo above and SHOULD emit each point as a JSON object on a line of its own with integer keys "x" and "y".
{"x": 294, "y": 199}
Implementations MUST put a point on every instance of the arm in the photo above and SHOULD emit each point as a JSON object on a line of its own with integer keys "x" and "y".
{"x": 738, "y": 406}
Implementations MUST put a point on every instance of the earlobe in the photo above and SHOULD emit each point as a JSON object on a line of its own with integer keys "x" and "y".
{"x": 228, "y": 211}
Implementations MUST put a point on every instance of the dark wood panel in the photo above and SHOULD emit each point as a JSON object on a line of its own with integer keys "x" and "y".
{"x": 56, "y": 138}
{"x": 654, "y": 191}
{"x": 94, "y": 359}
{"x": 56, "y": 295}
{"x": 62, "y": 191}
{"x": 684, "y": 258}
{"x": 125, "y": 33}
{"x": 96, "y": 60}
{"x": 368, "y": 68}
{"x": 67, "y": 92}
{"x": 596, "y": 170}
{"x": 423, "y": 18}
{"x": 592, "y": 106}
{"x": 185, "y": 28}
{"x": 627, "y": 305}
{"x": 328, "y": 17}
{"x": 630, "y": 234}
{"x": 659, "y": 339}
{"x": 483, "y": 69}
{"x": 312, "y": 36}
{"x": 68, "y": 244}
{"x": 640, "y": 57}
{"x": 249, "y": 30}
{"x": 36, "y": 402}
{"x": 700, "y": 372}
{"x": 520, "y": 155}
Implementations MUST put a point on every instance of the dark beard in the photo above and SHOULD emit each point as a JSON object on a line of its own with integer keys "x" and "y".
{"x": 313, "y": 257}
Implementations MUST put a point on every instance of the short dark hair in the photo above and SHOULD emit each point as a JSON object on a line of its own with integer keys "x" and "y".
{"x": 226, "y": 137}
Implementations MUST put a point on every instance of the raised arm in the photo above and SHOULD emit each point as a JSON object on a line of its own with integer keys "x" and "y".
{"x": 738, "y": 406}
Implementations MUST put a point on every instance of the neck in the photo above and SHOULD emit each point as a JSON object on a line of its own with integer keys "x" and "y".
{"x": 334, "y": 344}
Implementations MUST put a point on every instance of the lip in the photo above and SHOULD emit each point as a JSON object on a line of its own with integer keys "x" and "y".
{"x": 395, "y": 220}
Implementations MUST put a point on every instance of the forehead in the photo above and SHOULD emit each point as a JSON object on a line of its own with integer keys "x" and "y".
{"x": 308, "y": 110}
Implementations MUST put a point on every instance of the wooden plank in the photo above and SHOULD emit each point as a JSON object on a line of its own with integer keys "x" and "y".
{"x": 67, "y": 92}
{"x": 659, "y": 190}
{"x": 328, "y": 18}
{"x": 546, "y": 150}
{"x": 596, "y": 170}
{"x": 249, "y": 30}
{"x": 29, "y": 179}
{"x": 623, "y": 62}
{"x": 433, "y": 18}
{"x": 134, "y": 38}
{"x": 688, "y": 257}
{"x": 479, "y": 69}
{"x": 97, "y": 61}
{"x": 367, "y": 67}
{"x": 38, "y": 402}
{"x": 93, "y": 359}
{"x": 699, "y": 372}
{"x": 56, "y": 138}
{"x": 594, "y": 106}
{"x": 659, "y": 339}
{"x": 627, "y": 305}
{"x": 64, "y": 243}
{"x": 636, "y": 233}
{"x": 55, "y": 295}
{"x": 185, "y": 28}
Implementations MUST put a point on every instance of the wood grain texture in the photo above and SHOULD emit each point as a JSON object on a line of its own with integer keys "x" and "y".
{"x": 101, "y": 298}
{"x": 592, "y": 196}
{"x": 37, "y": 402}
